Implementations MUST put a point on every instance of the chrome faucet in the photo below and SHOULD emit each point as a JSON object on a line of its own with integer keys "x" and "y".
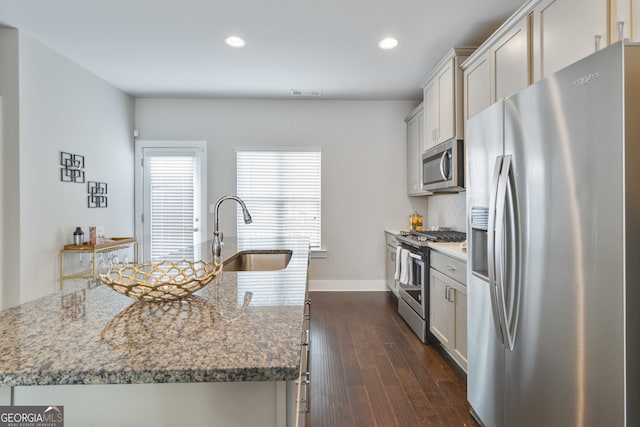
{"x": 216, "y": 246}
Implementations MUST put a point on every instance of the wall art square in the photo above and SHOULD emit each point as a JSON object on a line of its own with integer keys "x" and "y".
{"x": 72, "y": 169}
{"x": 97, "y": 194}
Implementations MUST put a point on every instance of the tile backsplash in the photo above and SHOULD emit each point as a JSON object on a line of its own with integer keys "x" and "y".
{"x": 447, "y": 210}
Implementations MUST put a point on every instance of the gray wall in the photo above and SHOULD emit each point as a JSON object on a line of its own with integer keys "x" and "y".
{"x": 363, "y": 166}
{"x": 9, "y": 172}
{"x": 61, "y": 107}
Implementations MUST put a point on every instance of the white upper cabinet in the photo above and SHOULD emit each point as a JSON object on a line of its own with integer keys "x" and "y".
{"x": 415, "y": 132}
{"x": 431, "y": 114}
{"x": 443, "y": 99}
{"x": 539, "y": 39}
{"x": 500, "y": 67}
{"x": 625, "y": 20}
{"x": 565, "y": 31}
{"x": 510, "y": 61}
{"x": 446, "y": 103}
{"x": 477, "y": 85}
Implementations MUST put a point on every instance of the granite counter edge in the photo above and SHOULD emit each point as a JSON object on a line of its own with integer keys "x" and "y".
{"x": 150, "y": 376}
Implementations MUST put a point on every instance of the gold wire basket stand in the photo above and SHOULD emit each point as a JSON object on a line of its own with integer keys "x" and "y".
{"x": 163, "y": 281}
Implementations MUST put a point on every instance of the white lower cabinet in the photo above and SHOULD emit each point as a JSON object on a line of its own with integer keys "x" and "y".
{"x": 390, "y": 262}
{"x": 448, "y": 305}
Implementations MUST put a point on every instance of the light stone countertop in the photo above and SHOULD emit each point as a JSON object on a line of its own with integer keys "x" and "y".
{"x": 394, "y": 231}
{"x": 97, "y": 336}
{"x": 451, "y": 249}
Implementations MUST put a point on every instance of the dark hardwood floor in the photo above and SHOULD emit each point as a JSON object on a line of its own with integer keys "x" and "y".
{"x": 369, "y": 369}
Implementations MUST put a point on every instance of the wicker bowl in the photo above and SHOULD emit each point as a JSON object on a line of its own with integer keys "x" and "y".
{"x": 163, "y": 281}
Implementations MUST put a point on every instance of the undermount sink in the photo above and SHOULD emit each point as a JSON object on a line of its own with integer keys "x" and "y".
{"x": 258, "y": 260}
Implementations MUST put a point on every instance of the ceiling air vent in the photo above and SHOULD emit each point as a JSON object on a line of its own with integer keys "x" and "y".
{"x": 306, "y": 92}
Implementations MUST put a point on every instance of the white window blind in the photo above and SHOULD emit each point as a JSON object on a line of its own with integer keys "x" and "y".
{"x": 282, "y": 191}
{"x": 172, "y": 186}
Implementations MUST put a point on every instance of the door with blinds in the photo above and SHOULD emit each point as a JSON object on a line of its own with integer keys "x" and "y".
{"x": 171, "y": 222}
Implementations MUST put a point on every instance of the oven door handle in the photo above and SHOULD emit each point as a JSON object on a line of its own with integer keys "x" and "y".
{"x": 414, "y": 256}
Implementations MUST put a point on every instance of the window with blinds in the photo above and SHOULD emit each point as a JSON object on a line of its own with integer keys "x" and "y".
{"x": 282, "y": 191}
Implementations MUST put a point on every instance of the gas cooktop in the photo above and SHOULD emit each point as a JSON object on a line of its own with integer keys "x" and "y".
{"x": 437, "y": 236}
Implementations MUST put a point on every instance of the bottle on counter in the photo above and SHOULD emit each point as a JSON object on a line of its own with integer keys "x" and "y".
{"x": 78, "y": 237}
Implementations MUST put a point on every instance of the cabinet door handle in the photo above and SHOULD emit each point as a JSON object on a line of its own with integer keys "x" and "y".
{"x": 620, "y": 30}
{"x": 598, "y": 39}
{"x": 446, "y": 292}
{"x": 307, "y": 303}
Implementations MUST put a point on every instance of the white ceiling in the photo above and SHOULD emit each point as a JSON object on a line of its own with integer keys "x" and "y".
{"x": 151, "y": 48}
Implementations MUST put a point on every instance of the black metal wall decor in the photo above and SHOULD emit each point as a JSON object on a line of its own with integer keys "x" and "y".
{"x": 97, "y": 194}
{"x": 72, "y": 167}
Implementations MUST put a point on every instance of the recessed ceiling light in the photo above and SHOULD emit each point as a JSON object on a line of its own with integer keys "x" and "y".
{"x": 234, "y": 41}
{"x": 388, "y": 43}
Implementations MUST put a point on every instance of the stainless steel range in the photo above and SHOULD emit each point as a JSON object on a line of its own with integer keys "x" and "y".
{"x": 413, "y": 304}
{"x": 437, "y": 236}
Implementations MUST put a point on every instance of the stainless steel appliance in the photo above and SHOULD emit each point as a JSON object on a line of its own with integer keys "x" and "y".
{"x": 413, "y": 304}
{"x": 553, "y": 197}
{"x": 437, "y": 236}
{"x": 443, "y": 167}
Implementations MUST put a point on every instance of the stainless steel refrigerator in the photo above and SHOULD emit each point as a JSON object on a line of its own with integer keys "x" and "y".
{"x": 553, "y": 201}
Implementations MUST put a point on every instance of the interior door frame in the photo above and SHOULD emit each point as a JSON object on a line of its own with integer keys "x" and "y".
{"x": 139, "y": 147}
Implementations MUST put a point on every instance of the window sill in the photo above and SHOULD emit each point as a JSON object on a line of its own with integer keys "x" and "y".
{"x": 318, "y": 253}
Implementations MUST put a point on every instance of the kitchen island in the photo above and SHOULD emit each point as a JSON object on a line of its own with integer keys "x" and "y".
{"x": 228, "y": 355}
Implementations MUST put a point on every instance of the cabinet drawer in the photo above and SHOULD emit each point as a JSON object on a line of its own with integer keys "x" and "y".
{"x": 452, "y": 267}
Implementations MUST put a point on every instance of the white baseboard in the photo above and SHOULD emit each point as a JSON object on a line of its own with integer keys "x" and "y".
{"x": 347, "y": 285}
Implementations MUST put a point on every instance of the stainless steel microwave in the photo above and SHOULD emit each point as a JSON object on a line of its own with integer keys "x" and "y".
{"x": 443, "y": 167}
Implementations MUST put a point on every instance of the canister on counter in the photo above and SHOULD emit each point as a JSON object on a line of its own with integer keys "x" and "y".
{"x": 78, "y": 237}
{"x": 415, "y": 222}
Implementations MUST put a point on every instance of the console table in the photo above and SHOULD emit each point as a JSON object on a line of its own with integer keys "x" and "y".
{"x": 110, "y": 244}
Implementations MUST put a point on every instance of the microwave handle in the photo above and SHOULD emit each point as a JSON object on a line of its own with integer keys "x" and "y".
{"x": 443, "y": 162}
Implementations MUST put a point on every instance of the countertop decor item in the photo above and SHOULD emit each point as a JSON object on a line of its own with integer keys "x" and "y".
{"x": 163, "y": 281}
{"x": 415, "y": 221}
{"x": 78, "y": 237}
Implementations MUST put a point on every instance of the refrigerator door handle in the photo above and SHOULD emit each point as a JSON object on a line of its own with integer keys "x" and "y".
{"x": 512, "y": 286}
{"x": 500, "y": 267}
{"x": 491, "y": 253}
